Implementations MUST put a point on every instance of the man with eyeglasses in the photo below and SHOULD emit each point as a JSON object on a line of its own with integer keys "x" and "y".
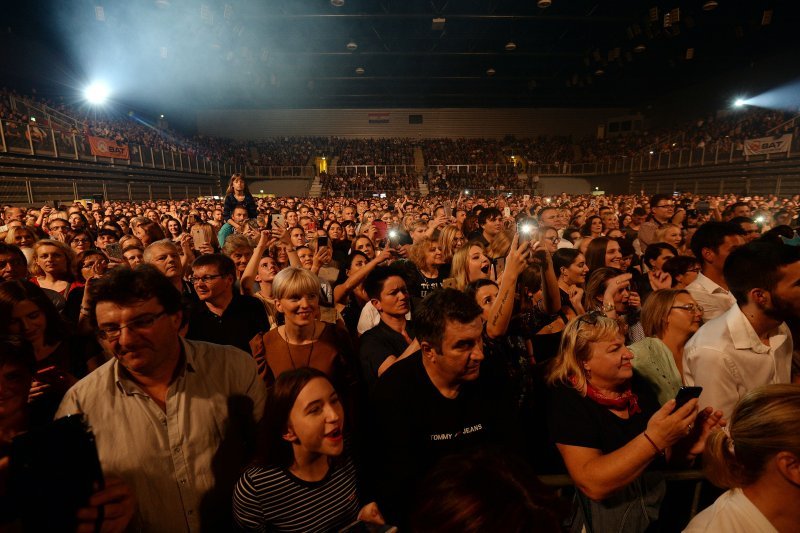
{"x": 161, "y": 407}
{"x": 59, "y": 229}
{"x": 223, "y": 316}
{"x": 662, "y": 211}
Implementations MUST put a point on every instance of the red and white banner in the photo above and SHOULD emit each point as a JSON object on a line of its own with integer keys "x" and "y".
{"x": 107, "y": 148}
{"x": 768, "y": 145}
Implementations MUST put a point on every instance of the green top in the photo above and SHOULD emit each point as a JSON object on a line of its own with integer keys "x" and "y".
{"x": 655, "y": 363}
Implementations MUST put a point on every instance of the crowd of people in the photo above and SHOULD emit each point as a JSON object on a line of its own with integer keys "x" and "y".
{"x": 346, "y": 184}
{"x": 347, "y": 363}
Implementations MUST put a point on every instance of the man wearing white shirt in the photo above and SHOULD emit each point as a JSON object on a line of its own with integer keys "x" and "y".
{"x": 749, "y": 345}
{"x": 711, "y": 244}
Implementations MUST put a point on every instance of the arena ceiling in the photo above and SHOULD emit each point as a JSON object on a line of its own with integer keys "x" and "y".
{"x": 485, "y": 53}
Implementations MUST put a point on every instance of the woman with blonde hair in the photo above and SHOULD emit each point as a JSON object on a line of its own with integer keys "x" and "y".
{"x": 423, "y": 267}
{"x": 303, "y": 340}
{"x": 451, "y": 238}
{"x": 671, "y": 234}
{"x": 757, "y": 457}
{"x": 669, "y": 318}
{"x": 50, "y": 266}
{"x": 469, "y": 264}
{"x": 22, "y": 237}
{"x": 610, "y": 430}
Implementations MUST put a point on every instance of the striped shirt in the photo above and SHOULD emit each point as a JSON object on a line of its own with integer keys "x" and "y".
{"x": 272, "y": 499}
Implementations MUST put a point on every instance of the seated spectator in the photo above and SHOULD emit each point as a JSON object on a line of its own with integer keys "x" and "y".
{"x": 224, "y": 316}
{"x": 238, "y": 194}
{"x": 755, "y": 458}
{"x": 303, "y": 341}
{"x": 750, "y": 344}
{"x": 436, "y": 402}
{"x": 157, "y": 407}
{"x": 669, "y": 318}
{"x": 611, "y": 432}
{"x": 304, "y": 477}
{"x": 711, "y": 244}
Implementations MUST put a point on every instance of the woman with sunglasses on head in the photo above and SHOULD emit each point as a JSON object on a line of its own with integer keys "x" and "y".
{"x": 669, "y": 318}
{"x": 611, "y": 432}
{"x": 304, "y": 477}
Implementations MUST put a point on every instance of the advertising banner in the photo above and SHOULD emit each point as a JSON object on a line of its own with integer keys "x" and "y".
{"x": 107, "y": 148}
{"x": 768, "y": 145}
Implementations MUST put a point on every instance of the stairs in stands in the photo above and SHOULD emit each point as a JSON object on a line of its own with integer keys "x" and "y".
{"x": 423, "y": 187}
{"x": 419, "y": 160}
{"x": 315, "y": 191}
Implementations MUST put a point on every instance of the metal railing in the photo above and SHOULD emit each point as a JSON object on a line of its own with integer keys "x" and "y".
{"x": 276, "y": 171}
{"x": 372, "y": 170}
{"x": 33, "y": 139}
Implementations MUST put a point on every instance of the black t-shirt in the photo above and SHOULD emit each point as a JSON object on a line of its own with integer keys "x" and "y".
{"x": 244, "y": 317}
{"x": 377, "y": 344}
{"x": 415, "y": 426}
{"x": 576, "y": 420}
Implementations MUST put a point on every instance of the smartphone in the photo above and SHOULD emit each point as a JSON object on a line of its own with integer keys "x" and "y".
{"x": 199, "y": 237}
{"x": 278, "y": 220}
{"x": 685, "y": 394}
{"x": 322, "y": 242}
{"x": 525, "y": 230}
{"x": 448, "y": 211}
{"x": 114, "y": 250}
{"x": 380, "y": 225}
{"x": 506, "y": 212}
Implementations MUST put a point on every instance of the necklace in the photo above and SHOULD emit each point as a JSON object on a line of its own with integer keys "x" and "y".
{"x": 289, "y": 349}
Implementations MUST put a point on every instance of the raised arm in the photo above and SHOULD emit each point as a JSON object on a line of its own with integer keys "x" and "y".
{"x": 503, "y": 306}
{"x": 341, "y": 291}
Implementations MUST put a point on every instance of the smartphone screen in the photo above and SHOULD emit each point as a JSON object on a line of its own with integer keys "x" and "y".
{"x": 322, "y": 241}
{"x": 685, "y": 394}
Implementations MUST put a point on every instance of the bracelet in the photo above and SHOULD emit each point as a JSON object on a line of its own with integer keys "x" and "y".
{"x": 659, "y": 451}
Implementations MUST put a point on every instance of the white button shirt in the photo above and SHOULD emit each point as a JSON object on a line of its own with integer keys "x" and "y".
{"x": 714, "y": 299}
{"x": 174, "y": 459}
{"x": 727, "y": 359}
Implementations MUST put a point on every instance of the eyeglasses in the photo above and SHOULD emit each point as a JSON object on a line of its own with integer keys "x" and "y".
{"x": 204, "y": 279}
{"x": 90, "y": 264}
{"x": 81, "y": 241}
{"x": 554, "y": 240}
{"x": 111, "y": 333}
{"x": 689, "y": 307}
{"x": 667, "y": 206}
{"x": 590, "y": 318}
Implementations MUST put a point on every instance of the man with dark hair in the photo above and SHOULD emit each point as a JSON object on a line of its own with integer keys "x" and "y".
{"x": 741, "y": 209}
{"x": 711, "y": 244}
{"x": 236, "y": 224}
{"x": 749, "y": 227}
{"x": 782, "y": 218}
{"x": 637, "y": 218}
{"x": 223, "y": 316}
{"x": 490, "y": 221}
{"x": 750, "y": 345}
{"x": 393, "y": 338}
{"x": 437, "y": 401}
{"x": 662, "y": 211}
{"x": 159, "y": 409}
{"x": 105, "y": 237}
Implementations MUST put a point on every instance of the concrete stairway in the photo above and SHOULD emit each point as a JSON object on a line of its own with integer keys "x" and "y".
{"x": 315, "y": 191}
{"x": 419, "y": 160}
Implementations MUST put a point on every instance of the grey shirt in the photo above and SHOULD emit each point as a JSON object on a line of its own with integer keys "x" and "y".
{"x": 173, "y": 459}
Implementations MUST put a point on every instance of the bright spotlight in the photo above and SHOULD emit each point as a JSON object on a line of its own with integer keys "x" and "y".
{"x": 739, "y": 102}
{"x": 96, "y": 93}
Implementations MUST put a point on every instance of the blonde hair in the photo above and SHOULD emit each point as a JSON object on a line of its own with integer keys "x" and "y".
{"x": 660, "y": 232}
{"x": 69, "y": 254}
{"x": 459, "y": 270}
{"x": 764, "y": 422}
{"x": 294, "y": 281}
{"x": 235, "y": 242}
{"x": 446, "y": 240}
{"x": 12, "y": 234}
{"x": 417, "y": 251}
{"x": 656, "y": 309}
{"x": 576, "y": 348}
{"x": 500, "y": 245}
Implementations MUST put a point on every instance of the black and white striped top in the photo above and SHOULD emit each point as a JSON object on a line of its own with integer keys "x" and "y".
{"x": 272, "y": 499}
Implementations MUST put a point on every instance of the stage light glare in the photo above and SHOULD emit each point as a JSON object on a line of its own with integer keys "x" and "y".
{"x": 739, "y": 102}
{"x": 96, "y": 93}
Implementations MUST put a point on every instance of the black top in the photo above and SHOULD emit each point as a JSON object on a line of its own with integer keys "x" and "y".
{"x": 377, "y": 344}
{"x": 415, "y": 426}
{"x": 231, "y": 202}
{"x": 242, "y": 320}
{"x": 576, "y": 420}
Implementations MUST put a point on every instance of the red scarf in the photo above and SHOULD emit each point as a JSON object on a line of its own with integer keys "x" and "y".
{"x": 627, "y": 400}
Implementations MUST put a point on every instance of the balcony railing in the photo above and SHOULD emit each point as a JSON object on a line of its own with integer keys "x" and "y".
{"x": 33, "y": 139}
